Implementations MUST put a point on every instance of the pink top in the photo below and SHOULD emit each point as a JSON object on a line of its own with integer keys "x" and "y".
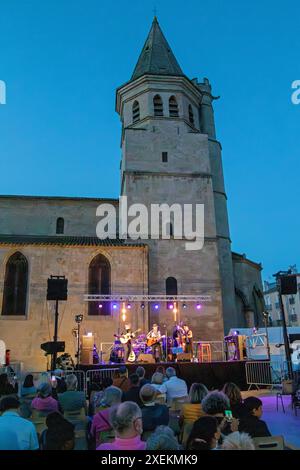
{"x": 48, "y": 404}
{"x": 100, "y": 423}
{"x": 134, "y": 443}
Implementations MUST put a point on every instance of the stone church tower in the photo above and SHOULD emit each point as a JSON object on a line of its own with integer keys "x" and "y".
{"x": 170, "y": 155}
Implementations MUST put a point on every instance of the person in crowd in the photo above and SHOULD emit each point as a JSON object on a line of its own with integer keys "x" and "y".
{"x": 215, "y": 404}
{"x": 163, "y": 438}
{"x": 6, "y": 388}
{"x": 233, "y": 392}
{"x": 28, "y": 387}
{"x": 97, "y": 397}
{"x": 16, "y": 433}
{"x": 140, "y": 371}
{"x": 59, "y": 435}
{"x": 153, "y": 414}
{"x": 192, "y": 410}
{"x": 101, "y": 422}
{"x": 72, "y": 399}
{"x": 176, "y": 388}
{"x": 121, "y": 379}
{"x": 133, "y": 394}
{"x": 205, "y": 434}
{"x": 44, "y": 402}
{"x": 127, "y": 423}
{"x": 238, "y": 441}
{"x": 61, "y": 385}
{"x": 162, "y": 371}
{"x": 251, "y": 422}
{"x": 157, "y": 382}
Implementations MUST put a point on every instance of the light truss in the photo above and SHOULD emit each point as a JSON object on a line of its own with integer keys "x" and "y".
{"x": 146, "y": 298}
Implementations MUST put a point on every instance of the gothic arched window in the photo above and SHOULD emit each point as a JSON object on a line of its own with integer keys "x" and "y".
{"x": 99, "y": 283}
{"x": 15, "y": 285}
{"x": 60, "y": 225}
{"x": 173, "y": 107}
{"x": 158, "y": 106}
{"x": 171, "y": 288}
{"x": 191, "y": 115}
{"x": 135, "y": 111}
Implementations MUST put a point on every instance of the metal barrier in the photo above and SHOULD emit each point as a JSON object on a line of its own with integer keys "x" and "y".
{"x": 44, "y": 376}
{"x": 97, "y": 375}
{"x": 267, "y": 373}
{"x": 217, "y": 350}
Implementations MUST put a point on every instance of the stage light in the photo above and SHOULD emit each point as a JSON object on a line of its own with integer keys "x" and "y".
{"x": 142, "y": 305}
{"x": 78, "y": 318}
{"x": 156, "y": 306}
{"x": 123, "y": 310}
{"x": 89, "y": 334}
{"x": 175, "y": 310}
{"x": 171, "y": 306}
{"x": 236, "y": 333}
{"x": 115, "y": 306}
{"x": 100, "y": 306}
{"x": 184, "y": 305}
{"x": 129, "y": 306}
{"x": 124, "y": 317}
{"x": 198, "y": 306}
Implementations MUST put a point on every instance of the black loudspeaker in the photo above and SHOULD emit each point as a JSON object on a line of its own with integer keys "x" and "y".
{"x": 57, "y": 289}
{"x": 52, "y": 347}
{"x": 288, "y": 285}
{"x": 294, "y": 337}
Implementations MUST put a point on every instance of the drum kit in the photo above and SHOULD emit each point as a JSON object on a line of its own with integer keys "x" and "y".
{"x": 141, "y": 345}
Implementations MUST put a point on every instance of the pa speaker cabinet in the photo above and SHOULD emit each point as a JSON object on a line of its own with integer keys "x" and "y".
{"x": 148, "y": 358}
{"x": 86, "y": 357}
{"x": 57, "y": 289}
{"x": 288, "y": 285}
{"x": 184, "y": 357}
{"x": 87, "y": 342}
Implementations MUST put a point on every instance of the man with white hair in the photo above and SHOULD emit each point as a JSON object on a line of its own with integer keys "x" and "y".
{"x": 72, "y": 399}
{"x": 126, "y": 420}
{"x": 238, "y": 441}
{"x": 176, "y": 388}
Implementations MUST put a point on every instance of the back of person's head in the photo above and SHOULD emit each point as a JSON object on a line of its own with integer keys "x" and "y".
{"x": 28, "y": 381}
{"x": 123, "y": 371}
{"x": 44, "y": 390}
{"x": 215, "y": 403}
{"x": 126, "y": 418}
{"x": 9, "y": 403}
{"x": 134, "y": 380}
{"x": 161, "y": 370}
{"x": 58, "y": 372}
{"x": 170, "y": 372}
{"x": 238, "y": 441}
{"x": 251, "y": 404}
{"x": 71, "y": 382}
{"x": 163, "y": 438}
{"x": 197, "y": 393}
{"x": 106, "y": 382}
{"x": 157, "y": 378}
{"x": 112, "y": 396}
{"x": 204, "y": 434}
{"x": 60, "y": 434}
{"x": 140, "y": 371}
{"x": 233, "y": 392}
{"x": 148, "y": 394}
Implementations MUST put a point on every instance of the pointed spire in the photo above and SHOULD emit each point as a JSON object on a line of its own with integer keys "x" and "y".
{"x": 156, "y": 57}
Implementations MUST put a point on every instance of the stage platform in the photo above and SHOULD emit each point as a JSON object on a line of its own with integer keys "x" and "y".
{"x": 213, "y": 374}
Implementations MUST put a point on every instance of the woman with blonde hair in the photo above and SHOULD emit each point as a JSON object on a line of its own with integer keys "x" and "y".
{"x": 192, "y": 410}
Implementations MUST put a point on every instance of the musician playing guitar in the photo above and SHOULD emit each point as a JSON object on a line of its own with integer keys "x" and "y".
{"x": 126, "y": 339}
{"x": 187, "y": 339}
{"x": 154, "y": 338}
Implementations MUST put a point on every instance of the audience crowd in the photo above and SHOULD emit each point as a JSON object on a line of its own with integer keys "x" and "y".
{"x": 127, "y": 412}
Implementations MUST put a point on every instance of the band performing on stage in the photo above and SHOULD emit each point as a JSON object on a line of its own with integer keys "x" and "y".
{"x": 129, "y": 346}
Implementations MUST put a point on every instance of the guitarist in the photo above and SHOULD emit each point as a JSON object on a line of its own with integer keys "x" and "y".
{"x": 128, "y": 335}
{"x": 154, "y": 337}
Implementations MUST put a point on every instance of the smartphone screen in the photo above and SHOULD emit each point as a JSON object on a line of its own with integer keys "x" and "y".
{"x": 228, "y": 414}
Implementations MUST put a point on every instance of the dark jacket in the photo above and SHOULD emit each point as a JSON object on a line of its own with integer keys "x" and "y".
{"x": 133, "y": 394}
{"x": 254, "y": 426}
{"x": 154, "y": 416}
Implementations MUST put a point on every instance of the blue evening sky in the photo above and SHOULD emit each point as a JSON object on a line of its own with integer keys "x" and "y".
{"x": 59, "y": 134}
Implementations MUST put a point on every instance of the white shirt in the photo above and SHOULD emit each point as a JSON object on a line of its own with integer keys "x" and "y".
{"x": 161, "y": 388}
{"x": 176, "y": 388}
{"x": 12, "y": 428}
{"x": 2, "y": 353}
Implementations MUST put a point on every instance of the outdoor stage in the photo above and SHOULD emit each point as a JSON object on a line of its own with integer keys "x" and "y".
{"x": 214, "y": 374}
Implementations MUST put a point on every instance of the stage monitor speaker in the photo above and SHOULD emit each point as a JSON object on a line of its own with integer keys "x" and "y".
{"x": 147, "y": 358}
{"x": 87, "y": 342}
{"x": 288, "y": 285}
{"x": 184, "y": 357}
{"x": 86, "y": 357}
{"x": 57, "y": 289}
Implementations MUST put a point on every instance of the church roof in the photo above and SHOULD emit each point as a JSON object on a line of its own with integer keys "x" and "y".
{"x": 156, "y": 57}
{"x": 63, "y": 240}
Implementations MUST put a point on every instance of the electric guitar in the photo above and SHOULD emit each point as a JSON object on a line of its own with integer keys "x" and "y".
{"x": 127, "y": 336}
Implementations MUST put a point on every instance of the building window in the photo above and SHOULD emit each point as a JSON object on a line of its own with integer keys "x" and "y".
{"x": 60, "y": 225}
{"x": 15, "y": 285}
{"x": 173, "y": 107}
{"x": 158, "y": 106}
{"x": 99, "y": 283}
{"x": 135, "y": 111}
{"x": 191, "y": 115}
{"x": 171, "y": 289}
{"x": 164, "y": 157}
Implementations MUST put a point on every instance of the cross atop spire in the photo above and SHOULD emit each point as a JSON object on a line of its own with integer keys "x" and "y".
{"x": 156, "y": 57}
